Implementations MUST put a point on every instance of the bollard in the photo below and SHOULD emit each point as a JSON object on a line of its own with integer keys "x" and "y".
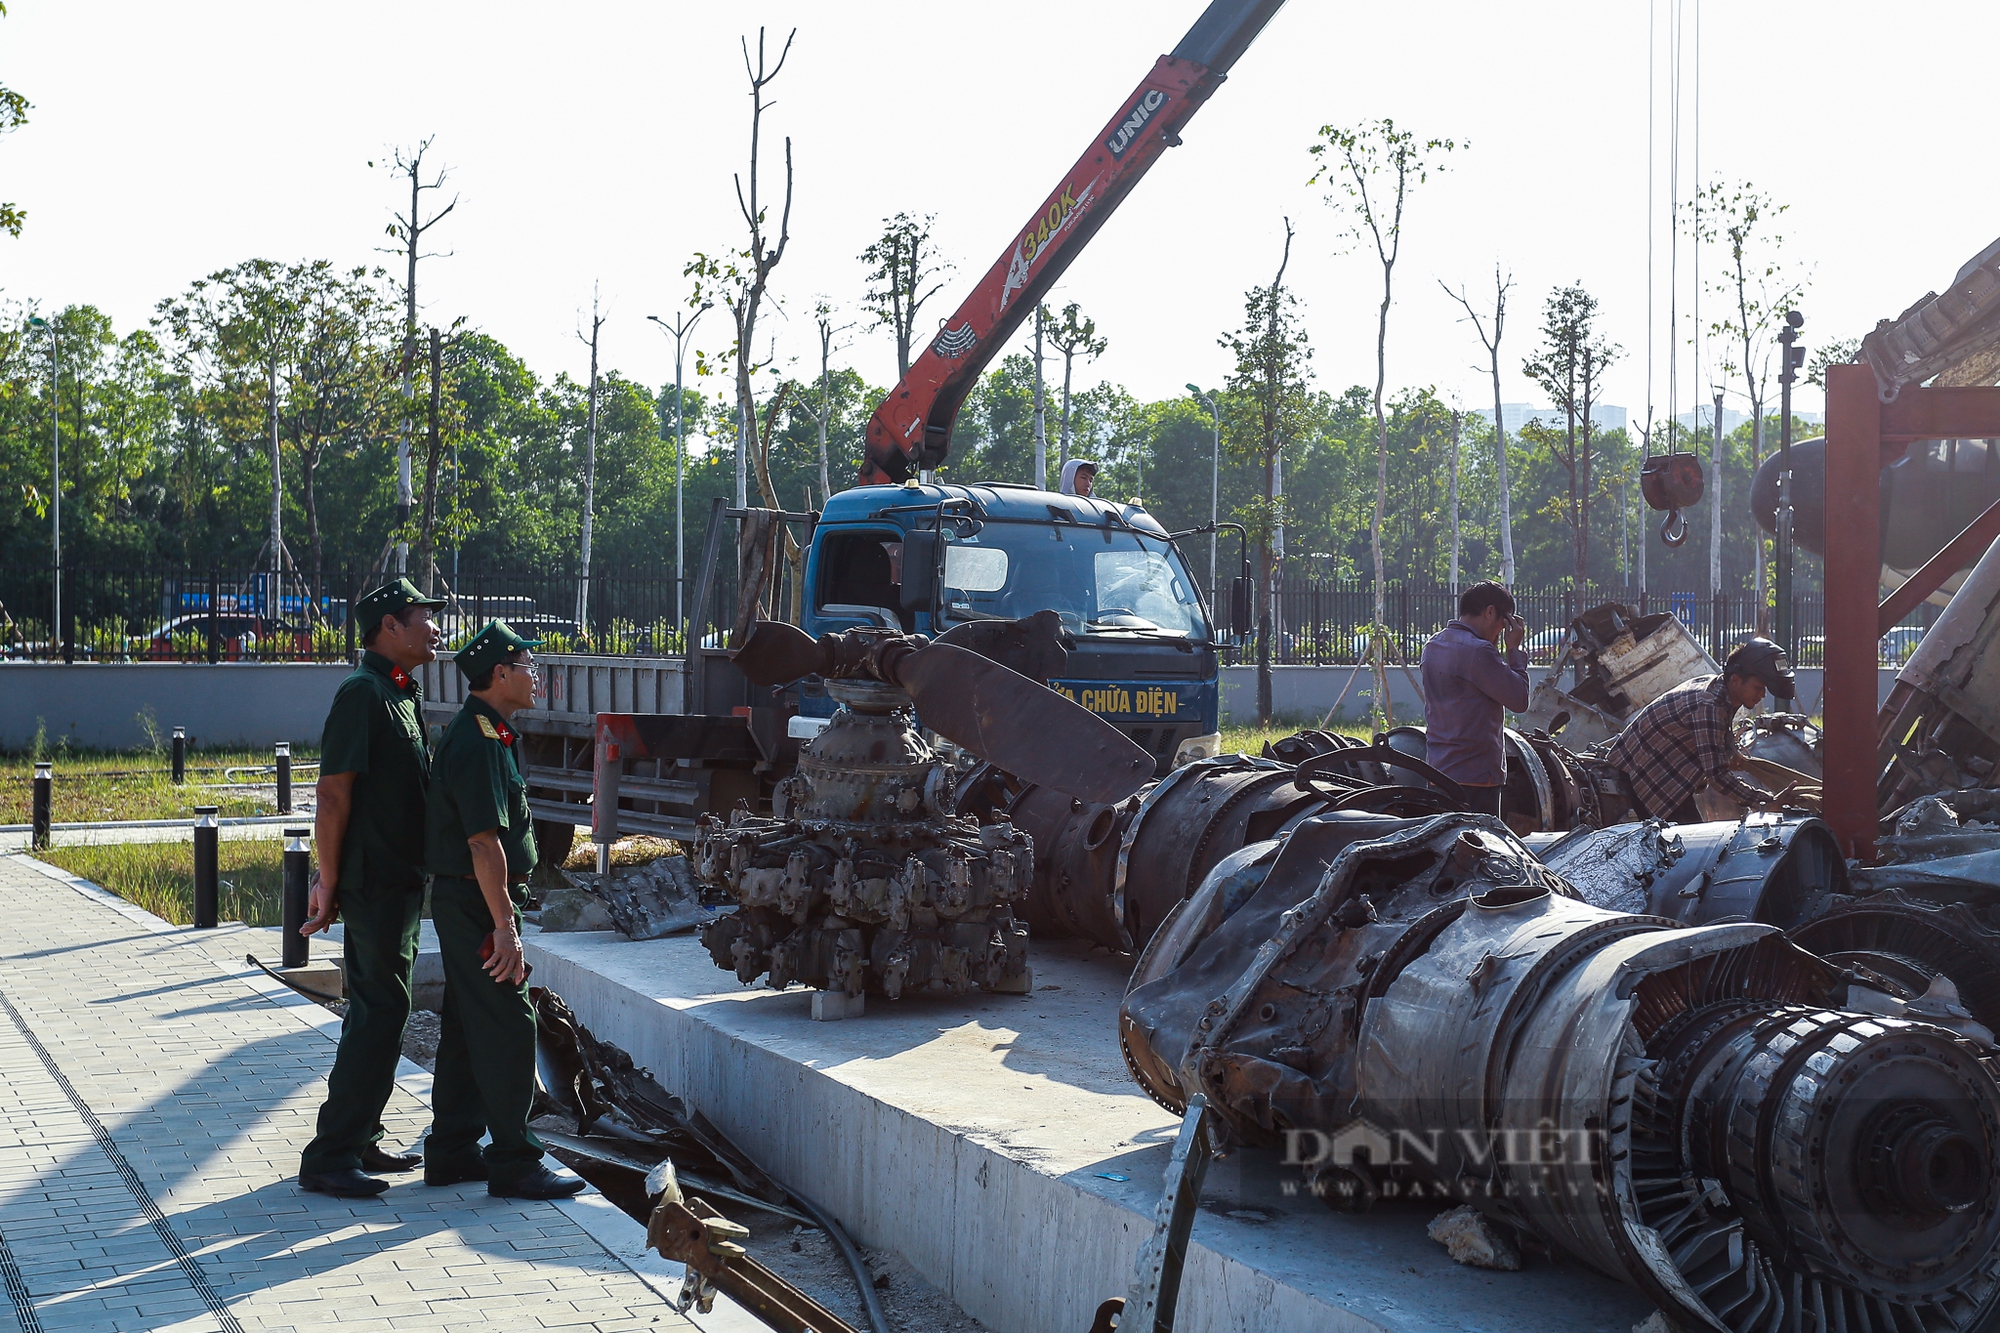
{"x": 45, "y": 781}
{"x": 207, "y": 871}
{"x": 180, "y": 755}
{"x": 284, "y": 777}
{"x": 298, "y": 871}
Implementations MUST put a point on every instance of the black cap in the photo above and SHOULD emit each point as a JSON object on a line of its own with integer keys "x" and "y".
{"x": 1767, "y": 662}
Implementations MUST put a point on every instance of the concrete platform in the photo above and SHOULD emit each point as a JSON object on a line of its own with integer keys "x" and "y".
{"x": 1000, "y": 1146}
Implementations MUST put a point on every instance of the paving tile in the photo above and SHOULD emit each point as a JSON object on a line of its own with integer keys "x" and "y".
{"x": 208, "y": 1088}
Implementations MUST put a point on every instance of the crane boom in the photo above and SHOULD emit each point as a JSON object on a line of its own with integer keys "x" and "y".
{"x": 912, "y": 427}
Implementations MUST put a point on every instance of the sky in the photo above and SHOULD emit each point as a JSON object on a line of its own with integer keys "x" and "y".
{"x": 591, "y": 147}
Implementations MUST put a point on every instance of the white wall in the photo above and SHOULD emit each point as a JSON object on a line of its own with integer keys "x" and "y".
{"x": 1305, "y": 693}
{"x": 101, "y": 705}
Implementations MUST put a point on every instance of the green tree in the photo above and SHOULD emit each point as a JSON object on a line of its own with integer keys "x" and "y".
{"x": 14, "y": 109}
{"x": 1074, "y": 335}
{"x": 1757, "y": 289}
{"x": 902, "y": 262}
{"x": 1375, "y": 164}
{"x": 1270, "y": 381}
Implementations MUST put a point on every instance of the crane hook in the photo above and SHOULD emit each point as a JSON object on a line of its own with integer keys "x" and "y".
{"x": 1671, "y": 534}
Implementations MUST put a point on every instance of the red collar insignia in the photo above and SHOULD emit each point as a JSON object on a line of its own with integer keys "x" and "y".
{"x": 400, "y": 677}
{"x": 506, "y": 736}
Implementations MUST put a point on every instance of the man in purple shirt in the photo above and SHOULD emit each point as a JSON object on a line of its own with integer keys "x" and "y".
{"x": 1467, "y": 689}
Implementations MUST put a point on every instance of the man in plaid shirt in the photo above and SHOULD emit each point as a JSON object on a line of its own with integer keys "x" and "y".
{"x": 1683, "y": 739}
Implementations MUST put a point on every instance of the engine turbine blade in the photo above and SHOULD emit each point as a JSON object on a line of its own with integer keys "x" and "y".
{"x": 1021, "y": 726}
{"x": 773, "y": 653}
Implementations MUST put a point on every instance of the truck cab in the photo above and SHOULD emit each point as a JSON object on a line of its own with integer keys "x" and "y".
{"x": 922, "y": 558}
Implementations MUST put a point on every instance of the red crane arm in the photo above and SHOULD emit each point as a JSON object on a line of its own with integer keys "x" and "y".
{"x": 912, "y": 427}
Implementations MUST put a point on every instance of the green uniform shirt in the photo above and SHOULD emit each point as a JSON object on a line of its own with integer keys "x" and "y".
{"x": 375, "y": 731}
{"x": 476, "y": 785}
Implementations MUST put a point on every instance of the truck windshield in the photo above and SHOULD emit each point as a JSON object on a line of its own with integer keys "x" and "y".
{"x": 1101, "y": 581}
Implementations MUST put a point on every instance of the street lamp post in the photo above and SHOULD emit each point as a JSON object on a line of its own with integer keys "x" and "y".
{"x": 55, "y": 487}
{"x": 682, "y": 326}
{"x": 1214, "y": 482}
{"x": 1793, "y": 357}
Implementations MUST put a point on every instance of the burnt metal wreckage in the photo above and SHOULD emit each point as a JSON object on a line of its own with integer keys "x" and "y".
{"x": 1753, "y": 1136}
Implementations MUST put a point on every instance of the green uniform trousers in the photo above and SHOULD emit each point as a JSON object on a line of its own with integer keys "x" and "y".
{"x": 379, "y": 952}
{"x": 485, "y": 1077}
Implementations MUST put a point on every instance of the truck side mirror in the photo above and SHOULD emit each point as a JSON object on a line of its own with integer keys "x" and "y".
{"x": 920, "y": 572}
{"x": 1240, "y": 598}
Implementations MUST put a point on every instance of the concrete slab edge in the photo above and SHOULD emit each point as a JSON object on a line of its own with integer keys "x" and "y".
{"x": 1015, "y": 1248}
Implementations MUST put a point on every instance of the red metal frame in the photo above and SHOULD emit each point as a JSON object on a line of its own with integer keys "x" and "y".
{"x": 1864, "y": 435}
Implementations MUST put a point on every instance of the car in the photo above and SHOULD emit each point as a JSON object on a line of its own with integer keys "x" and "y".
{"x": 238, "y": 635}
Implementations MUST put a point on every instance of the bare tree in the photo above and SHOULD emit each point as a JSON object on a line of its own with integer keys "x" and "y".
{"x": 1074, "y": 336}
{"x": 742, "y": 280}
{"x": 823, "y": 414}
{"x": 589, "y": 471}
{"x": 1375, "y": 158}
{"x": 407, "y": 230}
{"x": 901, "y": 262}
{"x": 1492, "y": 346}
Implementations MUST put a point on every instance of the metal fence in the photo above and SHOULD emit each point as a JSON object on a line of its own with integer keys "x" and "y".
{"x": 213, "y": 615}
{"x": 1326, "y": 622}
{"x": 187, "y": 615}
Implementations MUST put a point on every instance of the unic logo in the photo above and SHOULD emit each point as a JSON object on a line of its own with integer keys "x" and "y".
{"x": 1128, "y": 128}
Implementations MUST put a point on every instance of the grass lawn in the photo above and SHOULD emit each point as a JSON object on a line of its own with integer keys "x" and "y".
{"x": 159, "y": 876}
{"x": 134, "y": 785}
{"x": 1251, "y": 739}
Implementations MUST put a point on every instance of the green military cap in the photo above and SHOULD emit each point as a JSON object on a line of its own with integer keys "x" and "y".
{"x": 391, "y": 597}
{"x": 490, "y": 647}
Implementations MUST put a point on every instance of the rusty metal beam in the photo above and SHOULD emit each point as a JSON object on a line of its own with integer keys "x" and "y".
{"x": 1961, "y": 551}
{"x": 1957, "y": 413}
{"x": 1854, "y": 428}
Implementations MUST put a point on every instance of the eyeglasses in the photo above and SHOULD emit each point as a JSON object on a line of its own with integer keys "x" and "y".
{"x": 534, "y": 669}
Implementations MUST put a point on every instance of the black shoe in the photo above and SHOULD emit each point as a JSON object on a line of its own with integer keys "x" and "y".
{"x": 541, "y": 1183}
{"x": 346, "y": 1183}
{"x": 473, "y": 1169}
{"x": 377, "y": 1162}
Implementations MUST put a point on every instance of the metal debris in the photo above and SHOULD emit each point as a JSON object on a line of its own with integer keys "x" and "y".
{"x": 1623, "y": 661}
{"x": 1473, "y": 1239}
{"x": 650, "y": 901}
{"x": 1395, "y": 1001}
{"x": 864, "y": 881}
{"x": 630, "y": 1134}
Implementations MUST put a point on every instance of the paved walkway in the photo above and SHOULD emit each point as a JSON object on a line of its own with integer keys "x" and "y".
{"x": 153, "y": 1099}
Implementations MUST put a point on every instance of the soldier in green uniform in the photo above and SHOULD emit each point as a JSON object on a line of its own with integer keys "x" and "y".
{"x": 369, "y": 827}
{"x": 479, "y": 843}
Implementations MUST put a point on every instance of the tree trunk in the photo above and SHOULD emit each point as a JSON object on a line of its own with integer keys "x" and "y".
{"x": 589, "y": 490}
{"x": 308, "y": 467}
{"x": 1583, "y": 485}
{"x": 1041, "y": 478}
{"x": 1069, "y": 356}
{"x": 1757, "y": 533}
{"x": 1265, "y": 592}
{"x": 277, "y": 497}
{"x": 1378, "y": 647}
{"x": 433, "y": 456}
{"x": 1454, "y": 503}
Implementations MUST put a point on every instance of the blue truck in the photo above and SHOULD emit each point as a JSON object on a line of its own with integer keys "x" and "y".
{"x": 920, "y": 558}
